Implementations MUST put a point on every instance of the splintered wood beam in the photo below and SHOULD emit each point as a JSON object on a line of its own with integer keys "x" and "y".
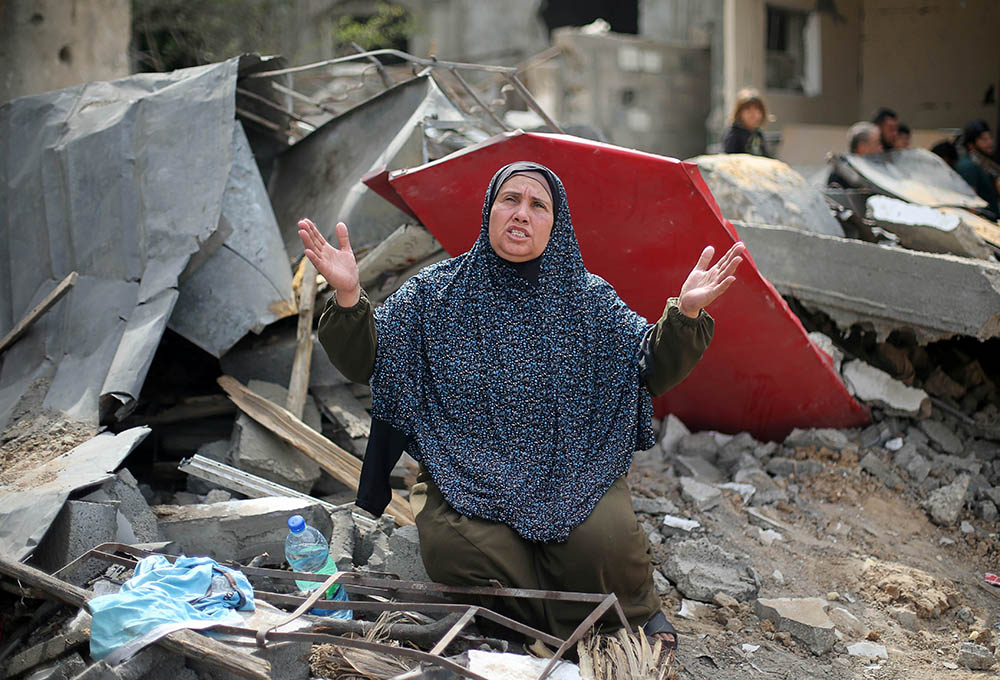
{"x": 341, "y": 465}
{"x": 184, "y": 642}
{"x": 298, "y": 386}
{"x": 24, "y": 324}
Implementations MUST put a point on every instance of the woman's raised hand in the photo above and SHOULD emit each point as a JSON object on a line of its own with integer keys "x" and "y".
{"x": 337, "y": 265}
{"x": 704, "y": 284}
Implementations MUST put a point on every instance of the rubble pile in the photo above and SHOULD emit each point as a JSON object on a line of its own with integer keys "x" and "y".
{"x": 196, "y": 419}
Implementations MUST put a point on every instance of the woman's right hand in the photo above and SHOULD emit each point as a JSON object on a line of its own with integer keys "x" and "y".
{"x": 337, "y": 265}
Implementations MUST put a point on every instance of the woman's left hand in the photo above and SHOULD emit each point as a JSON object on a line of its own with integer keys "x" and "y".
{"x": 704, "y": 284}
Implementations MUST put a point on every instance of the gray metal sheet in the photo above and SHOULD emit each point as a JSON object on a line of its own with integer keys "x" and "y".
{"x": 320, "y": 176}
{"x": 247, "y": 283}
{"x": 122, "y": 182}
{"x": 914, "y": 175}
{"x": 29, "y": 508}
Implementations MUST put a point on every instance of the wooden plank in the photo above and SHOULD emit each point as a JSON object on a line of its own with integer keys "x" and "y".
{"x": 184, "y": 642}
{"x": 298, "y": 385}
{"x": 25, "y": 323}
{"x": 341, "y": 465}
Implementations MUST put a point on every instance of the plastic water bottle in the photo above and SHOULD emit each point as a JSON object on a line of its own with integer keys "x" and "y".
{"x": 306, "y": 550}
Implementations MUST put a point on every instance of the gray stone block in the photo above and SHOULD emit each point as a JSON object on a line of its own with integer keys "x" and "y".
{"x": 944, "y": 505}
{"x": 804, "y": 618}
{"x": 132, "y": 505}
{"x": 941, "y": 435}
{"x": 702, "y": 496}
{"x": 975, "y": 657}
{"x": 701, "y": 445}
{"x": 674, "y": 430}
{"x": 877, "y": 468}
{"x": 654, "y": 506}
{"x": 784, "y": 467}
{"x": 403, "y": 557}
{"x": 343, "y": 538}
{"x": 767, "y": 491}
{"x": 237, "y": 530}
{"x": 64, "y": 669}
{"x": 824, "y": 437}
{"x": 700, "y": 569}
{"x": 78, "y": 527}
{"x": 699, "y": 468}
{"x": 259, "y": 451}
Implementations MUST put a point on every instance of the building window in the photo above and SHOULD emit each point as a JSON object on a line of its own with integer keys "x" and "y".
{"x": 792, "y": 51}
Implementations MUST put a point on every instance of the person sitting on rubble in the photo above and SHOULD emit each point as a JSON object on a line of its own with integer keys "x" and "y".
{"x": 862, "y": 139}
{"x": 521, "y": 384}
{"x": 888, "y": 125}
{"x": 903, "y": 136}
{"x": 977, "y": 167}
{"x": 745, "y": 134}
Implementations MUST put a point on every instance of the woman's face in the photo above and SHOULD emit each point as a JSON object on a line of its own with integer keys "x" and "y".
{"x": 521, "y": 219}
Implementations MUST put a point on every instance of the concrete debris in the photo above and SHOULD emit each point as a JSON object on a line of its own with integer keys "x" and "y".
{"x": 942, "y": 436}
{"x": 700, "y": 569}
{"x": 945, "y": 504}
{"x": 694, "y": 610}
{"x": 78, "y": 528}
{"x": 878, "y": 388}
{"x": 761, "y": 190}
{"x": 508, "y": 666}
{"x": 767, "y": 537}
{"x": 906, "y": 617}
{"x": 975, "y": 657}
{"x": 259, "y": 451}
{"x": 846, "y": 622}
{"x": 824, "y": 343}
{"x": 804, "y": 618}
{"x": 868, "y": 650}
{"x": 701, "y": 445}
{"x": 660, "y": 583}
{"x": 237, "y": 530}
{"x": 785, "y": 467}
{"x": 923, "y": 228}
{"x": 856, "y": 282}
{"x": 877, "y": 468}
{"x": 673, "y": 431}
{"x": 766, "y": 491}
{"x": 653, "y": 506}
{"x": 678, "y": 526}
{"x": 400, "y": 554}
{"x": 699, "y": 468}
{"x": 703, "y": 496}
{"x": 132, "y": 507}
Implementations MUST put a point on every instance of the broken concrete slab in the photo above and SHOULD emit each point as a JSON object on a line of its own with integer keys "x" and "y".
{"x": 674, "y": 430}
{"x": 868, "y": 650}
{"x": 941, "y": 435}
{"x": 915, "y": 175}
{"x": 237, "y": 530}
{"x": 703, "y": 496}
{"x": 407, "y": 245}
{"x": 879, "y": 469}
{"x": 909, "y": 458}
{"x": 400, "y": 554}
{"x": 699, "y": 468}
{"x": 805, "y": 618}
{"x": 762, "y": 190}
{"x": 339, "y": 404}
{"x": 700, "y": 569}
{"x": 975, "y": 657}
{"x": 343, "y": 538}
{"x": 945, "y": 504}
{"x": 653, "y": 506}
{"x": 699, "y": 445}
{"x": 49, "y": 649}
{"x": 124, "y": 489}
{"x": 826, "y": 344}
{"x": 63, "y": 669}
{"x": 79, "y": 527}
{"x": 878, "y": 388}
{"x": 852, "y": 281}
{"x": 767, "y": 491}
{"x": 259, "y": 451}
{"x": 820, "y": 437}
{"x": 846, "y": 622}
{"x": 779, "y": 466}
{"x": 923, "y": 228}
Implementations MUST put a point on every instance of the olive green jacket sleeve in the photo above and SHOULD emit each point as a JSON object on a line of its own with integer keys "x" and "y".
{"x": 673, "y": 346}
{"x": 349, "y": 338}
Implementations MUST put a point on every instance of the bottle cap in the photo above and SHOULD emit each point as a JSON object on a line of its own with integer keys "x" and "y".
{"x": 296, "y": 524}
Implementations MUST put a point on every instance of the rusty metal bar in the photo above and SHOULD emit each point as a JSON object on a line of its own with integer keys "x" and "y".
{"x": 387, "y": 81}
{"x": 455, "y": 630}
{"x": 260, "y": 120}
{"x": 267, "y": 102}
{"x": 534, "y": 105}
{"x": 374, "y": 53}
{"x": 472, "y": 93}
{"x": 585, "y": 625}
{"x": 303, "y": 98}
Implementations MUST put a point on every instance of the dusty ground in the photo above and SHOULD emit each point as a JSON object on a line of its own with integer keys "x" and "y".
{"x": 844, "y": 533}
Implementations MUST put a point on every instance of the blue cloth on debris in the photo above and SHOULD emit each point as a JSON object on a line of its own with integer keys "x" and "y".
{"x": 192, "y": 589}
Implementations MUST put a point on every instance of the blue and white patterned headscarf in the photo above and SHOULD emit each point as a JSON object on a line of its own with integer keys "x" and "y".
{"x": 523, "y": 400}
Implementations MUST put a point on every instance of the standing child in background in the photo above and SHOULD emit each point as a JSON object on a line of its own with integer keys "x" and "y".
{"x": 745, "y": 135}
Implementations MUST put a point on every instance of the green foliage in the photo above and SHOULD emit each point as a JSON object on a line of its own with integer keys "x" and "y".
{"x": 390, "y": 26}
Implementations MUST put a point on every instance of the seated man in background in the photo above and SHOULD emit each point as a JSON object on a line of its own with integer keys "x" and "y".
{"x": 862, "y": 139}
{"x": 888, "y": 127}
{"x": 977, "y": 167}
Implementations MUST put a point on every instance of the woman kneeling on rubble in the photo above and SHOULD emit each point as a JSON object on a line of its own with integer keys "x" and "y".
{"x": 521, "y": 383}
